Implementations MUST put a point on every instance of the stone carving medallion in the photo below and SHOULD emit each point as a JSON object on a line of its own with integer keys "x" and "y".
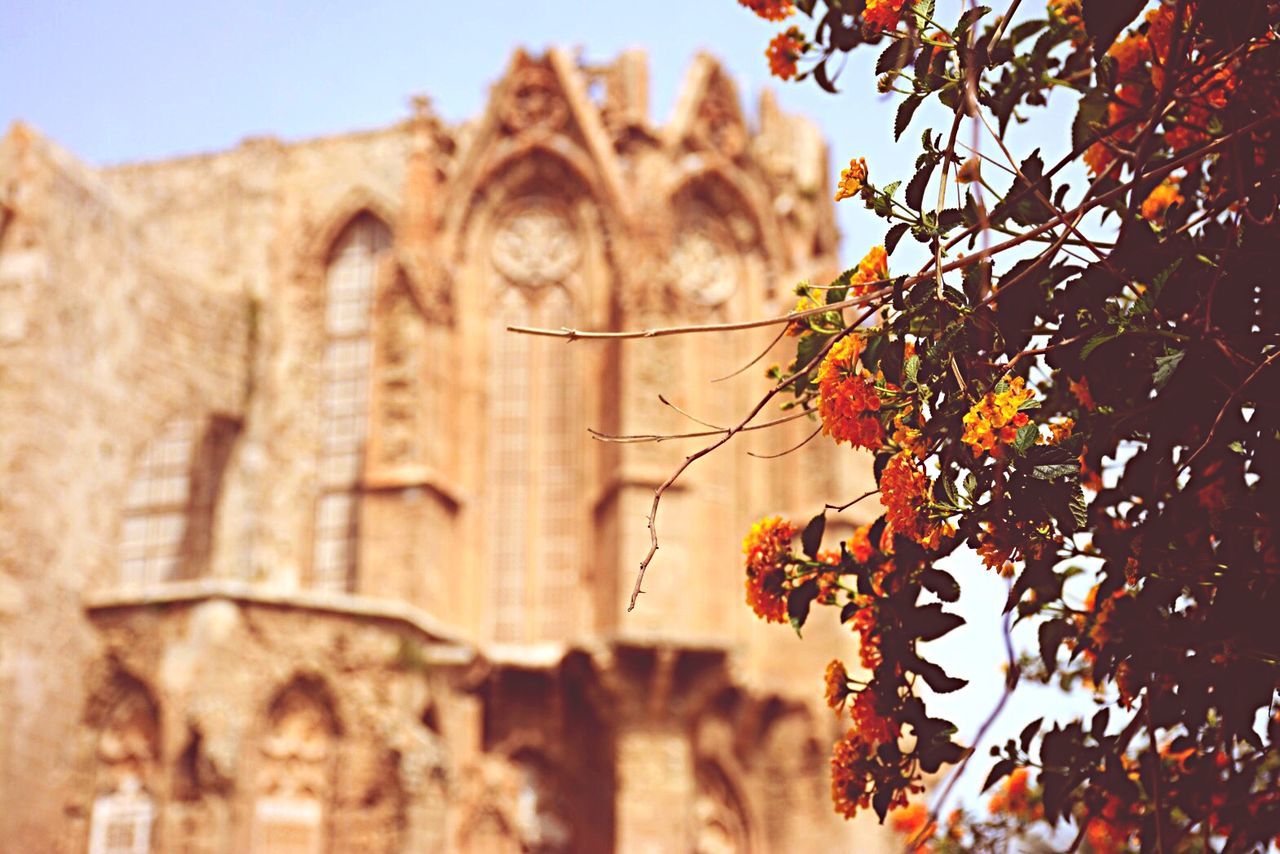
{"x": 534, "y": 245}
{"x": 702, "y": 267}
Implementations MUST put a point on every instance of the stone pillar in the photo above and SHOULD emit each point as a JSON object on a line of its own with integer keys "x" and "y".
{"x": 655, "y": 791}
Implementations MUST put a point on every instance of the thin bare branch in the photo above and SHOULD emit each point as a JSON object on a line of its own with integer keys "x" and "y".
{"x": 763, "y": 353}
{"x": 840, "y": 508}
{"x": 695, "y": 419}
{"x": 792, "y": 449}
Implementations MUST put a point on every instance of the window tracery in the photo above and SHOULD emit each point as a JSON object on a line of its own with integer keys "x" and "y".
{"x": 123, "y": 813}
{"x": 294, "y": 777}
{"x": 157, "y": 505}
{"x": 533, "y": 456}
{"x": 349, "y": 290}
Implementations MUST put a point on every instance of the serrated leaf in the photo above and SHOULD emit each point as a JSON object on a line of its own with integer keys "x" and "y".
{"x": 911, "y": 368}
{"x": 1079, "y": 509}
{"x": 893, "y": 235}
{"x": 1165, "y": 366}
{"x": 967, "y": 20}
{"x": 811, "y": 539}
{"x": 1054, "y": 471}
{"x": 1091, "y": 115}
{"x": 906, "y": 110}
{"x": 1026, "y": 437}
{"x": 917, "y": 185}
{"x": 896, "y": 55}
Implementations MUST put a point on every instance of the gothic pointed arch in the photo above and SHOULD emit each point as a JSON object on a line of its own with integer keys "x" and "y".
{"x": 294, "y": 760}
{"x": 357, "y": 201}
{"x": 708, "y": 115}
{"x": 722, "y": 823}
{"x": 350, "y": 280}
{"x": 541, "y": 257}
{"x": 124, "y": 718}
{"x": 166, "y": 527}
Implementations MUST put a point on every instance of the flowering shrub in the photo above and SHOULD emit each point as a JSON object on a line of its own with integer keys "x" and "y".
{"x": 1134, "y": 325}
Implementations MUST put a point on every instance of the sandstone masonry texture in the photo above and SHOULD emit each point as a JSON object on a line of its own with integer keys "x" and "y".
{"x": 300, "y": 551}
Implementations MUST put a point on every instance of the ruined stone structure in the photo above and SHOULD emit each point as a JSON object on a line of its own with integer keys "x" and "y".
{"x": 300, "y": 551}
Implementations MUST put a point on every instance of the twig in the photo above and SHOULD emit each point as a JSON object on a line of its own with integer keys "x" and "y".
{"x": 695, "y": 419}
{"x": 763, "y": 353}
{"x": 689, "y": 460}
{"x": 793, "y": 448}
{"x": 639, "y": 438}
{"x": 843, "y": 507}
{"x": 1223, "y": 411}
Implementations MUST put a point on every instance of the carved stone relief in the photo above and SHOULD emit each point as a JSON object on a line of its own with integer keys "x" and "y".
{"x": 399, "y": 380}
{"x": 718, "y": 121}
{"x": 535, "y": 245}
{"x": 533, "y": 99}
{"x": 297, "y": 748}
{"x": 702, "y": 267}
{"x": 129, "y": 741}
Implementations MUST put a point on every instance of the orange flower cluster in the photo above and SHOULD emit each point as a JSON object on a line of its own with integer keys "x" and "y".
{"x": 1162, "y": 198}
{"x": 852, "y": 179}
{"x": 1070, "y": 13}
{"x": 904, "y": 492}
{"x": 770, "y": 10}
{"x": 1014, "y": 796}
{"x": 1060, "y": 430}
{"x": 837, "y": 682}
{"x": 882, "y": 15}
{"x": 909, "y": 821}
{"x": 860, "y": 544}
{"x": 874, "y": 267}
{"x": 1111, "y": 831}
{"x": 996, "y": 418}
{"x": 847, "y": 398}
{"x": 853, "y": 762}
{"x": 784, "y": 51}
{"x": 768, "y": 547}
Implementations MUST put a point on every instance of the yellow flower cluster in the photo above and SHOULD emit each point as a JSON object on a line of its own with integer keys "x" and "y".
{"x": 996, "y": 418}
{"x": 1162, "y": 198}
{"x": 852, "y": 179}
{"x": 882, "y": 15}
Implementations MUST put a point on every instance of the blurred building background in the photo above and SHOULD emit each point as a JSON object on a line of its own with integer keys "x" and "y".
{"x": 300, "y": 551}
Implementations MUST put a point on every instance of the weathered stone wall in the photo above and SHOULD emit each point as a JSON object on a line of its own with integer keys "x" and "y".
{"x": 411, "y": 706}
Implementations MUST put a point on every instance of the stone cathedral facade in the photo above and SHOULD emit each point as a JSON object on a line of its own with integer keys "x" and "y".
{"x": 301, "y": 551}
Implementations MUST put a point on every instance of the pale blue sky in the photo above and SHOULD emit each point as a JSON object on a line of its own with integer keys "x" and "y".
{"x": 127, "y": 81}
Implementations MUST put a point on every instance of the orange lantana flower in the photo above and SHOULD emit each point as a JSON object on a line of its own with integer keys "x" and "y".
{"x": 770, "y": 10}
{"x": 852, "y": 179}
{"x": 768, "y": 548}
{"x": 847, "y": 398}
{"x": 784, "y": 52}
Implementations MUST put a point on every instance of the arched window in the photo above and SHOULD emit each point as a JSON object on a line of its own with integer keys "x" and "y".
{"x": 534, "y": 455}
{"x": 123, "y": 812}
{"x": 344, "y": 396}
{"x": 157, "y": 506}
{"x": 294, "y": 776}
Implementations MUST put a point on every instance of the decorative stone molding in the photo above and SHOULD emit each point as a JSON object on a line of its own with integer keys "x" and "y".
{"x": 534, "y": 244}
{"x": 532, "y": 99}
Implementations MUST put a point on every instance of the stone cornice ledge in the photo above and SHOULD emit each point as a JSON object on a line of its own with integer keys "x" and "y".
{"x": 448, "y": 645}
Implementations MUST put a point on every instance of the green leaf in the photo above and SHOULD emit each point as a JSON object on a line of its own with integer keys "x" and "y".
{"x": 1091, "y": 115}
{"x": 896, "y": 55}
{"x": 935, "y": 677}
{"x": 811, "y": 539}
{"x": 798, "y": 602}
{"x": 923, "y": 10}
{"x": 930, "y": 622}
{"x": 1029, "y": 732}
{"x": 911, "y": 369}
{"x": 1104, "y": 19}
{"x": 906, "y": 110}
{"x": 1027, "y": 435}
{"x": 893, "y": 235}
{"x": 918, "y": 184}
{"x": 1079, "y": 509}
{"x": 940, "y": 583}
{"x": 967, "y": 20}
{"x": 1051, "y": 634}
{"x": 999, "y": 771}
{"x": 1165, "y": 366}
{"x": 1054, "y": 471}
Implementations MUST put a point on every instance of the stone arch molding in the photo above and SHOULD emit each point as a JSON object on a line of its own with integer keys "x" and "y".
{"x": 357, "y": 200}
